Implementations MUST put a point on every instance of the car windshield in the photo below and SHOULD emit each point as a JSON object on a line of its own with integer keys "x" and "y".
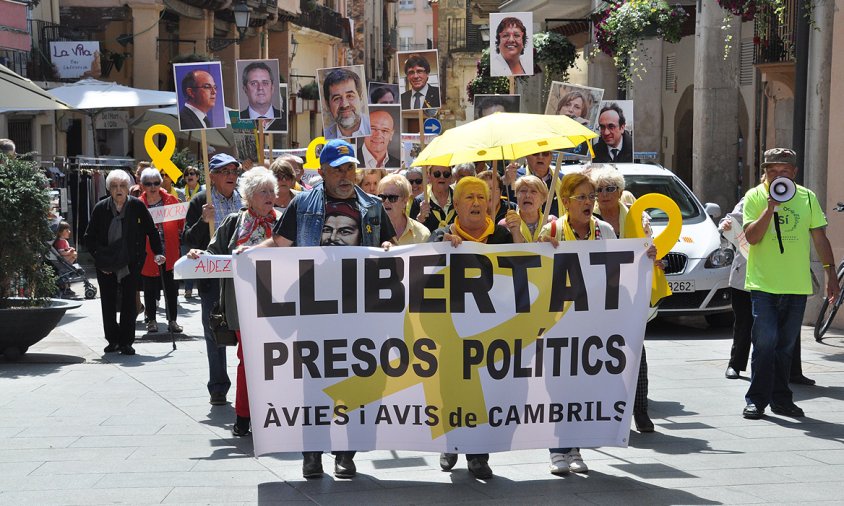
{"x": 640, "y": 185}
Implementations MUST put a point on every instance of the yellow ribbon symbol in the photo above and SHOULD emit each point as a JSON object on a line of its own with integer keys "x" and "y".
{"x": 664, "y": 241}
{"x": 447, "y": 388}
{"x": 162, "y": 158}
{"x": 311, "y": 156}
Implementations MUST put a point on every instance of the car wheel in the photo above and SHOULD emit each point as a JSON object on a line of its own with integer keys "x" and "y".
{"x": 720, "y": 319}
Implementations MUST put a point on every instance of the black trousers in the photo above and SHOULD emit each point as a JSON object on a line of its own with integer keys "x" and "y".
{"x": 121, "y": 334}
{"x": 740, "y": 351}
{"x": 152, "y": 292}
{"x": 743, "y": 310}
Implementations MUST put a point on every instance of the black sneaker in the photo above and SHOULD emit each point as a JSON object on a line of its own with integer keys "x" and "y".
{"x": 788, "y": 410}
{"x": 111, "y": 348}
{"x": 127, "y": 349}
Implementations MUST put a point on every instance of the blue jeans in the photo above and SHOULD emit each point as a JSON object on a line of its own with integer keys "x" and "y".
{"x": 218, "y": 381}
{"x": 776, "y": 328}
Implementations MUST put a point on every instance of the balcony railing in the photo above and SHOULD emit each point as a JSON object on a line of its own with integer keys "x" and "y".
{"x": 322, "y": 19}
{"x": 774, "y": 39}
{"x": 463, "y": 36}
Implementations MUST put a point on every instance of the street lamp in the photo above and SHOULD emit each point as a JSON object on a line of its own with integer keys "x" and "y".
{"x": 241, "y": 18}
{"x": 294, "y": 46}
{"x": 241, "y": 14}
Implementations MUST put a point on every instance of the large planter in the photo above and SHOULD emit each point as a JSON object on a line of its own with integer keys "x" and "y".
{"x": 24, "y": 326}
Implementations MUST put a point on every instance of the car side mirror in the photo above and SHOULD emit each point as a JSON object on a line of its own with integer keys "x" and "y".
{"x": 713, "y": 210}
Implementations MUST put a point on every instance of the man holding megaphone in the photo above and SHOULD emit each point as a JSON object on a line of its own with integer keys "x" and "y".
{"x": 780, "y": 218}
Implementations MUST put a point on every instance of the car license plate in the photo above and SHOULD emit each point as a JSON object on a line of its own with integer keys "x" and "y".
{"x": 682, "y": 286}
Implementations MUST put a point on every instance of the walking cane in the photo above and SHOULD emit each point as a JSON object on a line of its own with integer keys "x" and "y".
{"x": 166, "y": 304}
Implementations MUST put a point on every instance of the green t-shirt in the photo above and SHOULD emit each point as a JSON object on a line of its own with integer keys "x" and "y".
{"x": 768, "y": 270}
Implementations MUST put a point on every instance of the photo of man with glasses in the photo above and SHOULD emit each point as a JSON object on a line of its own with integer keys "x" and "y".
{"x": 615, "y": 144}
{"x": 420, "y": 93}
{"x": 259, "y": 98}
{"x": 199, "y": 96}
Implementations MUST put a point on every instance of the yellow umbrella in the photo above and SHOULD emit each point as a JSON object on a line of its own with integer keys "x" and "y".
{"x": 504, "y": 136}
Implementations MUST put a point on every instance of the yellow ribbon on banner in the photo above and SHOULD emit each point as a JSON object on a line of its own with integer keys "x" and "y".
{"x": 663, "y": 242}
{"x": 465, "y": 394}
{"x": 162, "y": 159}
{"x": 311, "y": 156}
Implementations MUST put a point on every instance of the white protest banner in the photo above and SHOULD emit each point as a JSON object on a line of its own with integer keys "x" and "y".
{"x": 428, "y": 347}
{"x": 169, "y": 213}
{"x": 206, "y": 266}
{"x": 73, "y": 59}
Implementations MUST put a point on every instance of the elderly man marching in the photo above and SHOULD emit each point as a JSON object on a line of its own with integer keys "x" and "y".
{"x": 779, "y": 279}
{"x": 335, "y": 213}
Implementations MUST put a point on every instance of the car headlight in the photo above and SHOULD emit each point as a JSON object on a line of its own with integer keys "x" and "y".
{"x": 721, "y": 257}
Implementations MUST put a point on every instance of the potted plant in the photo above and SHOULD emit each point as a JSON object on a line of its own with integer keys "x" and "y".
{"x": 27, "y": 314}
{"x": 620, "y": 28}
{"x": 482, "y": 83}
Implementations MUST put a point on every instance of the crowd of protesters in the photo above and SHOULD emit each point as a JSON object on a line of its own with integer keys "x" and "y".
{"x": 274, "y": 206}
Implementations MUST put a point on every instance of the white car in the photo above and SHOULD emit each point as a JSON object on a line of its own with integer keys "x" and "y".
{"x": 698, "y": 267}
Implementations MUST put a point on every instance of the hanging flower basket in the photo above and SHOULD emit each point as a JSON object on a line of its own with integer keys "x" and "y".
{"x": 621, "y": 27}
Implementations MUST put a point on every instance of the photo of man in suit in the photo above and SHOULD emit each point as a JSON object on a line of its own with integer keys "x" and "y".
{"x": 381, "y": 149}
{"x": 199, "y": 92}
{"x": 345, "y": 103}
{"x": 260, "y": 94}
{"x": 421, "y": 94}
{"x": 615, "y": 143}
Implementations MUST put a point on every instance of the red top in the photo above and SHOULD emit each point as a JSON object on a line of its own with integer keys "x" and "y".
{"x": 172, "y": 232}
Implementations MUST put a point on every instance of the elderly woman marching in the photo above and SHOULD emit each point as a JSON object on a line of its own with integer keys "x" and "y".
{"x": 170, "y": 233}
{"x": 578, "y": 223}
{"x": 249, "y": 226}
{"x": 472, "y": 223}
{"x": 531, "y": 194}
{"x": 609, "y": 185}
{"x": 116, "y": 237}
{"x": 394, "y": 192}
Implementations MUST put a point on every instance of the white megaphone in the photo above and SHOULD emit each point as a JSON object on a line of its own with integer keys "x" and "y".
{"x": 782, "y": 189}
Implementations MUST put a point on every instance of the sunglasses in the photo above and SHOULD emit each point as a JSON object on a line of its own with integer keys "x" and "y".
{"x": 439, "y": 174}
{"x": 230, "y": 172}
{"x": 391, "y": 198}
{"x": 415, "y": 181}
{"x": 189, "y": 174}
{"x": 286, "y": 177}
{"x": 607, "y": 189}
{"x": 150, "y": 184}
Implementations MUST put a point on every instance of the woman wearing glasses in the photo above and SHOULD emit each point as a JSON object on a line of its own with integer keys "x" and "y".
{"x": 609, "y": 185}
{"x": 576, "y": 224}
{"x": 439, "y": 210}
{"x": 394, "y": 192}
{"x": 285, "y": 175}
{"x": 169, "y": 232}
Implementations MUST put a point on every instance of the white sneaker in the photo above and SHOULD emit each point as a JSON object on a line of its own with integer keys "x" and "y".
{"x": 576, "y": 464}
{"x": 559, "y": 463}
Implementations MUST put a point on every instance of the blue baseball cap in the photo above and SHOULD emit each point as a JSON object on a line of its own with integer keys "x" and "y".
{"x": 336, "y": 152}
{"x": 220, "y": 160}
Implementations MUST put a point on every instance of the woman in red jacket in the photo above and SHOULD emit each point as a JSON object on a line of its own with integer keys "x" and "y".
{"x": 170, "y": 233}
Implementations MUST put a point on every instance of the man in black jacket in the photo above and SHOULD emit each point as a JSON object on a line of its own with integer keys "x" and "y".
{"x": 200, "y": 219}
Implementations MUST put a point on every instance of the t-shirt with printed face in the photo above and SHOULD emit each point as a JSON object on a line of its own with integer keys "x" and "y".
{"x": 788, "y": 272}
{"x": 341, "y": 227}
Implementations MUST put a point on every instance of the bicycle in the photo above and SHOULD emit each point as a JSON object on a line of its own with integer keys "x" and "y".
{"x": 828, "y": 311}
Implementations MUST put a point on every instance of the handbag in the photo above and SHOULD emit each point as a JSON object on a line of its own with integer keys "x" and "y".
{"x": 223, "y": 335}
